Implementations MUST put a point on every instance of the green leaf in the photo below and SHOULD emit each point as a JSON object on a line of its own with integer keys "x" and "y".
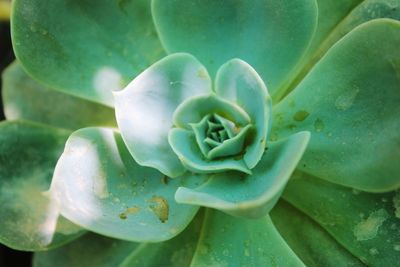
{"x": 101, "y": 251}
{"x": 310, "y": 241}
{"x": 177, "y": 252}
{"x": 100, "y": 187}
{"x": 251, "y": 195}
{"x": 366, "y": 224}
{"x": 238, "y": 82}
{"x": 229, "y": 241}
{"x": 350, "y": 103}
{"x": 195, "y": 109}
{"x": 29, "y": 218}
{"x": 25, "y": 98}
{"x": 83, "y": 48}
{"x": 271, "y": 35}
{"x": 88, "y": 250}
{"x": 331, "y": 14}
{"x": 144, "y": 109}
{"x": 184, "y": 144}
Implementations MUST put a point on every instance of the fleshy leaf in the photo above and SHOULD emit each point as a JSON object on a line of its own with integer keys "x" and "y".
{"x": 332, "y": 13}
{"x": 29, "y": 218}
{"x": 83, "y": 48}
{"x": 100, "y": 187}
{"x": 27, "y": 99}
{"x": 229, "y": 241}
{"x": 88, "y": 250}
{"x": 177, "y": 252}
{"x": 144, "y": 109}
{"x": 313, "y": 245}
{"x": 101, "y": 251}
{"x": 184, "y": 144}
{"x": 366, "y": 224}
{"x": 255, "y": 194}
{"x": 239, "y": 82}
{"x": 196, "y": 108}
{"x": 350, "y": 103}
{"x": 271, "y": 35}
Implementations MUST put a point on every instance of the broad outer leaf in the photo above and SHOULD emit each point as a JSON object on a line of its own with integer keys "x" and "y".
{"x": 366, "y": 224}
{"x": 177, "y": 252}
{"x": 24, "y": 98}
{"x": 29, "y": 218}
{"x": 331, "y": 13}
{"x": 89, "y": 250}
{"x": 100, "y": 251}
{"x": 82, "y": 47}
{"x": 310, "y": 241}
{"x": 271, "y": 35}
{"x": 252, "y": 195}
{"x": 144, "y": 109}
{"x": 230, "y": 241}
{"x": 350, "y": 103}
{"x": 99, "y": 186}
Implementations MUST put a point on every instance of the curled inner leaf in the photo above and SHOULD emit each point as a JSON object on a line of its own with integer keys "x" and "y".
{"x": 218, "y": 137}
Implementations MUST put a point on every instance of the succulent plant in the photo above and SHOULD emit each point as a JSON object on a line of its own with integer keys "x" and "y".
{"x": 203, "y": 133}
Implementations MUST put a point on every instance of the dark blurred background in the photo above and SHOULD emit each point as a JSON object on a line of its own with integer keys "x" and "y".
{"x": 9, "y": 257}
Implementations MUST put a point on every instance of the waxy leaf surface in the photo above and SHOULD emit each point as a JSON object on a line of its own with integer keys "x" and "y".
{"x": 85, "y": 48}
{"x": 29, "y": 218}
{"x": 25, "y": 98}
{"x": 366, "y": 224}
{"x": 313, "y": 245}
{"x": 250, "y": 195}
{"x": 99, "y": 186}
{"x": 271, "y": 35}
{"x": 230, "y": 241}
{"x": 144, "y": 109}
{"x": 350, "y": 103}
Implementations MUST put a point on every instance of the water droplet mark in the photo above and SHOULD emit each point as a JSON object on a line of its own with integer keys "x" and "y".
{"x": 202, "y": 73}
{"x": 319, "y": 125}
{"x": 396, "y": 204}
{"x": 301, "y": 115}
{"x": 368, "y": 229}
{"x": 355, "y": 191}
{"x": 160, "y": 208}
{"x": 225, "y": 252}
{"x": 346, "y": 100}
{"x": 373, "y": 251}
{"x": 164, "y": 180}
{"x": 129, "y": 211}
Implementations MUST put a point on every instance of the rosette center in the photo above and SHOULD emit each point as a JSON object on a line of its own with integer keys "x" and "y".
{"x": 218, "y": 136}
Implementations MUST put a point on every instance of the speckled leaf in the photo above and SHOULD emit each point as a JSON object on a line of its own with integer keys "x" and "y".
{"x": 366, "y": 224}
{"x": 350, "y": 103}
{"x": 230, "y": 241}
{"x": 82, "y": 47}
{"x": 253, "y": 195}
{"x": 24, "y": 98}
{"x": 99, "y": 186}
{"x": 144, "y": 109}
{"x": 271, "y": 35}
{"x": 29, "y": 218}
{"x": 310, "y": 241}
{"x": 333, "y": 24}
